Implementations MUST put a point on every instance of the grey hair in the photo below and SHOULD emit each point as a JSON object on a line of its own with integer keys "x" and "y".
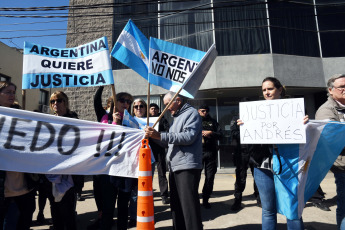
{"x": 170, "y": 95}
{"x": 333, "y": 78}
{"x": 330, "y": 81}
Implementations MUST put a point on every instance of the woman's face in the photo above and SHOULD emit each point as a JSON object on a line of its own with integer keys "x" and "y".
{"x": 123, "y": 103}
{"x": 139, "y": 109}
{"x": 7, "y": 96}
{"x": 270, "y": 92}
{"x": 58, "y": 105}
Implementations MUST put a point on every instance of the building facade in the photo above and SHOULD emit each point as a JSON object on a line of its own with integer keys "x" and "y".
{"x": 11, "y": 69}
{"x": 299, "y": 42}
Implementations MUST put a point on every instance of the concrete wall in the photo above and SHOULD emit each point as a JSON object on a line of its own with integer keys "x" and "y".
{"x": 333, "y": 66}
{"x": 241, "y": 71}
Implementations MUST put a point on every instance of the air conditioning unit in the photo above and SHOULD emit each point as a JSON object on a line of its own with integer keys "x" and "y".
{"x": 44, "y": 108}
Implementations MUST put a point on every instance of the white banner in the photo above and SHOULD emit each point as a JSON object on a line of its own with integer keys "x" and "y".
{"x": 41, "y": 143}
{"x": 82, "y": 66}
{"x": 272, "y": 121}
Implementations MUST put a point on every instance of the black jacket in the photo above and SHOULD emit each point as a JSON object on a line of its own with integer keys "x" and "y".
{"x": 257, "y": 152}
{"x": 210, "y": 124}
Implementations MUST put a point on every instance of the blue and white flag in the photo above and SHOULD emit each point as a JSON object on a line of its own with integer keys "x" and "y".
{"x": 136, "y": 122}
{"x": 132, "y": 49}
{"x": 173, "y": 66}
{"x": 129, "y": 121}
{"x": 304, "y": 166}
{"x": 82, "y": 66}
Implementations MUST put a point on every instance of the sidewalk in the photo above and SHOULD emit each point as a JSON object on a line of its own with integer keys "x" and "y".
{"x": 219, "y": 216}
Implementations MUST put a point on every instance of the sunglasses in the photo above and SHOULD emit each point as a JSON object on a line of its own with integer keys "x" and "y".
{"x": 122, "y": 100}
{"x": 139, "y": 106}
{"x": 57, "y": 101}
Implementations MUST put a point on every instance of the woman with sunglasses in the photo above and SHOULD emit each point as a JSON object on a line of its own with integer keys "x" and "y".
{"x": 271, "y": 89}
{"x": 113, "y": 187}
{"x": 16, "y": 188}
{"x": 62, "y": 207}
{"x": 139, "y": 108}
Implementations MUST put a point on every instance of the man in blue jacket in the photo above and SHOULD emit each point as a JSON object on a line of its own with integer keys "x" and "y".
{"x": 184, "y": 158}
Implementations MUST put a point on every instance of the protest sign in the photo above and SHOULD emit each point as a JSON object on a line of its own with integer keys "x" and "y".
{"x": 82, "y": 66}
{"x": 272, "y": 121}
{"x": 171, "y": 65}
{"x": 40, "y": 143}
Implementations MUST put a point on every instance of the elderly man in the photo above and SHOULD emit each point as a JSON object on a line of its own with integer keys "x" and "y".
{"x": 184, "y": 157}
{"x": 334, "y": 110}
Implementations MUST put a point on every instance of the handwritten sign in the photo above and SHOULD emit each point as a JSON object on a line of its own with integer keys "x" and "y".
{"x": 272, "y": 121}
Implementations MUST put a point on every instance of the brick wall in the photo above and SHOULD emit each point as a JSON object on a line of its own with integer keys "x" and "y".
{"x": 81, "y": 30}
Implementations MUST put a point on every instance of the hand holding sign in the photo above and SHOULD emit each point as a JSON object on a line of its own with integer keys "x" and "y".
{"x": 272, "y": 121}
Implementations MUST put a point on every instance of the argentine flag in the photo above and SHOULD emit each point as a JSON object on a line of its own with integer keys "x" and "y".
{"x": 304, "y": 166}
{"x": 174, "y": 66}
{"x": 136, "y": 122}
{"x": 132, "y": 49}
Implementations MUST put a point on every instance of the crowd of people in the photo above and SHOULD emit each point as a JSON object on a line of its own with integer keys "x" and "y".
{"x": 184, "y": 148}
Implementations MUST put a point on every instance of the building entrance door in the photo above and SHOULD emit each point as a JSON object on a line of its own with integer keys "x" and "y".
{"x": 223, "y": 110}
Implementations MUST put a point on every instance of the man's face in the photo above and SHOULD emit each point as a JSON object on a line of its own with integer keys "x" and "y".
{"x": 203, "y": 112}
{"x": 153, "y": 111}
{"x": 338, "y": 90}
{"x": 175, "y": 105}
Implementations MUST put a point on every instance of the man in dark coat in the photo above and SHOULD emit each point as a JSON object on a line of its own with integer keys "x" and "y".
{"x": 211, "y": 133}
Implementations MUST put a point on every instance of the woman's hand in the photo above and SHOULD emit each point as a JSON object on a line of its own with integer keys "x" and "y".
{"x": 305, "y": 119}
{"x": 240, "y": 122}
{"x": 117, "y": 118}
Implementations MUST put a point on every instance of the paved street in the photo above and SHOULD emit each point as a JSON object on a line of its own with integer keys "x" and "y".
{"x": 219, "y": 216}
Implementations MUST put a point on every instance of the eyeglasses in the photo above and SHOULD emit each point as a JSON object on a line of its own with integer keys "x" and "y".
{"x": 341, "y": 88}
{"x": 139, "y": 106}
{"x": 203, "y": 111}
{"x": 122, "y": 100}
{"x": 57, "y": 101}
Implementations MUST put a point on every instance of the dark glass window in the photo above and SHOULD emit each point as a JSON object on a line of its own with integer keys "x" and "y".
{"x": 43, "y": 97}
{"x": 293, "y": 28}
{"x": 331, "y": 19}
{"x": 241, "y": 27}
{"x": 187, "y": 23}
{"x": 143, "y": 14}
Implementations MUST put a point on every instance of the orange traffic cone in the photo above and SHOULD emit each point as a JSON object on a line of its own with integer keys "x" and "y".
{"x": 145, "y": 213}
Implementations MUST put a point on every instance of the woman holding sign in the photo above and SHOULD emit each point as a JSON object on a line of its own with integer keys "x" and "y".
{"x": 15, "y": 187}
{"x": 262, "y": 154}
{"x": 113, "y": 187}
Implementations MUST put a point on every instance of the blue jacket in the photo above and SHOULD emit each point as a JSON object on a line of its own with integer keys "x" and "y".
{"x": 184, "y": 140}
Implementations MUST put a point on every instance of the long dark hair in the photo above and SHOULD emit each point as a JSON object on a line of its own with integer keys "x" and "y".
{"x": 276, "y": 84}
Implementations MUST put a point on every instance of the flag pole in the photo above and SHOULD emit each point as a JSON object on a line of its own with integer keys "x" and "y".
{"x": 23, "y": 99}
{"x": 166, "y": 107}
{"x": 148, "y": 105}
{"x": 114, "y": 96}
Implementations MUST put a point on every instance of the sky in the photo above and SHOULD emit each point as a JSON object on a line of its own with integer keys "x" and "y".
{"x": 33, "y": 28}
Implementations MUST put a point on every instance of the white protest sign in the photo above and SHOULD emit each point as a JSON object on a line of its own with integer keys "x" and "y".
{"x": 272, "y": 121}
{"x": 41, "y": 143}
{"x": 83, "y": 66}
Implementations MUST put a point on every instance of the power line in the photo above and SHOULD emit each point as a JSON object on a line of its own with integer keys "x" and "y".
{"x": 170, "y": 13}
